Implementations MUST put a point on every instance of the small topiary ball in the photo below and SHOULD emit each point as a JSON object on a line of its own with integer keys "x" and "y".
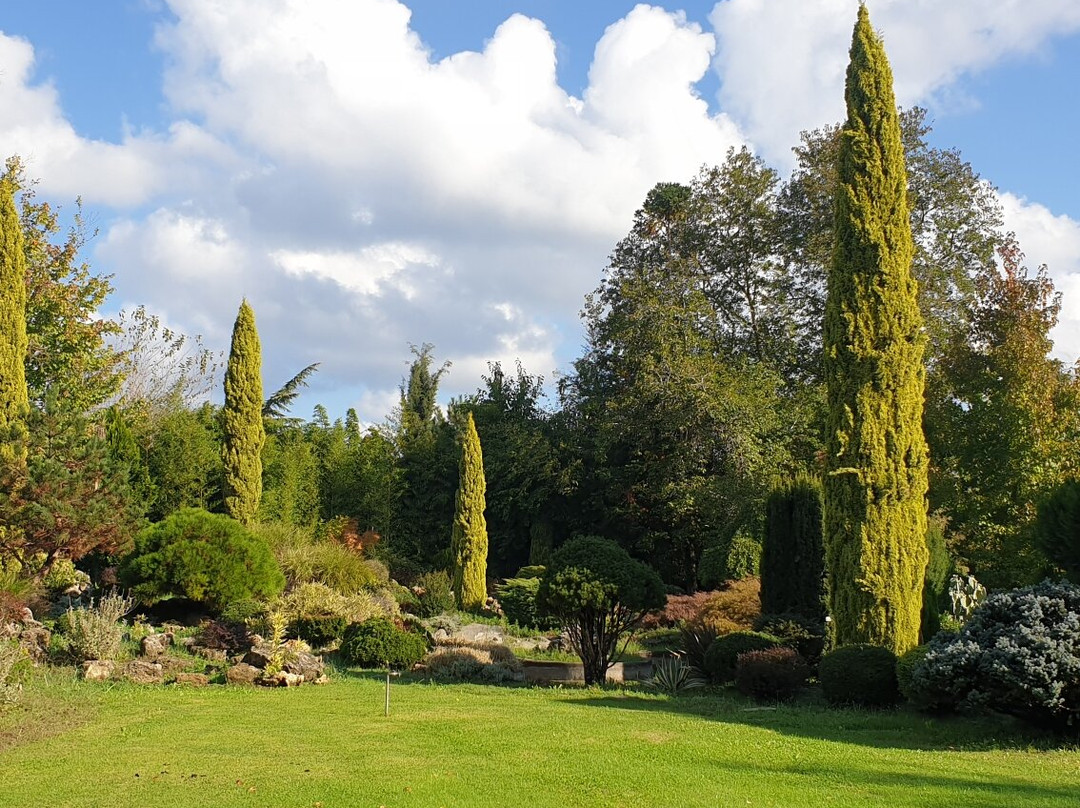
{"x": 860, "y": 675}
{"x": 723, "y": 654}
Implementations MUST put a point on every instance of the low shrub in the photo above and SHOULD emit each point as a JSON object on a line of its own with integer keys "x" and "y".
{"x": 723, "y": 655}
{"x": 743, "y": 558}
{"x": 205, "y": 557}
{"x": 327, "y": 562}
{"x": 94, "y": 632}
{"x": 662, "y": 642}
{"x": 734, "y": 607}
{"x": 517, "y": 597}
{"x": 378, "y": 643}
{"x": 14, "y": 666}
{"x": 63, "y": 575}
{"x": 321, "y": 630}
{"x": 860, "y": 675}
{"x": 531, "y": 571}
{"x": 220, "y": 635}
{"x": 433, "y": 594}
{"x": 679, "y": 609}
{"x": 905, "y": 672}
{"x": 473, "y": 662}
{"x": 804, "y": 634}
{"x": 313, "y": 602}
{"x": 1019, "y": 654}
{"x": 775, "y": 674}
{"x": 246, "y": 612}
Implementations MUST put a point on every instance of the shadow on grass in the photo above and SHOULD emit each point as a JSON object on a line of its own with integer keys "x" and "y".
{"x": 900, "y": 728}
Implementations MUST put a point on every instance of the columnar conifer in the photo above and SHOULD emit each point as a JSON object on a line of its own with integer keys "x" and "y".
{"x": 469, "y": 540}
{"x": 243, "y": 423}
{"x": 14, "y": 403}
{"x": 792, "y": 557}
{"x": 875, "y": 488}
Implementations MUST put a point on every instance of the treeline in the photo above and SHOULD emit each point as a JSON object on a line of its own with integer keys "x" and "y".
{"x": 700, "y": 387}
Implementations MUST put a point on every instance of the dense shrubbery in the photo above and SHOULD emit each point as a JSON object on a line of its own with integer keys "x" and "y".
{"x": 734, "y": 607}
{"x": 793, "y": 553}
{"x": 318, "y": 610}
{"x": 1057, "y": 528}
{"x": 303, "y": 559}
{"x": 723, "y": 655}
{"x": 433, "y": 594}
{"x": 774, "y": 674}
{"x": 673, "y": 675}
{"x": 517, "y": 598}
{"x": 206, "y": 557}
{"x": 905, "y": 672}
{"x": 804, "y": 634}
{"x": 732, "y": 561}
{"x": 679, "y": 610}
{"x": 378, "y": 642}
{"x": 1019, "y": 654}
{"x": 13, "y": 663}
{"x": 860, "y": 675}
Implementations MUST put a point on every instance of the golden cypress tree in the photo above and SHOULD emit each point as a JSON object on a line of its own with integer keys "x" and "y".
{"x": 14, "y": 402}
{"x": 243, "y": 423}
{"x": 469, "y": 539}
{"x": 875, "y": 488}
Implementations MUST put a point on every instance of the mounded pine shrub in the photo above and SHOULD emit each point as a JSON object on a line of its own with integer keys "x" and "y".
{"x": 859, "y": 675}
{"x": 378, "y": 643}
{"x": 433, "y": 594}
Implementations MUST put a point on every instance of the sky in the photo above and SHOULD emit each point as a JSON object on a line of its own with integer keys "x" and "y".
{"x": 375, "y": 174}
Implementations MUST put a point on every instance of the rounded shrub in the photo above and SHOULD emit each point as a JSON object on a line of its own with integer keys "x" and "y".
{"x": 320, "y": 630}
{"x": 743, "y": 558}
{"x": 517, "y": 596}
{"x": 722, "y": 657}
{"x": 1019, "y": 654}
{"x": 378, "y": 643}
{"x": 206, "y": 557}
{"x": 433, "y": 594}
{"x": 860, "y": 675}
{"x": 775, "y": 674}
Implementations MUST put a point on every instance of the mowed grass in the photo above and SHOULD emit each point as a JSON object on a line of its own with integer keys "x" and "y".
{"x": 77, "y": 744}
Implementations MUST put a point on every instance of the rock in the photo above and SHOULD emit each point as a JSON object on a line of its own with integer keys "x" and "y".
{"x": 34, "y": 639}
{"x": 98, "y": 670}
{"x": 282, "y": 679}
{"x": 27, "y": 616}
{"x": 322, "y": 680}
{"x": 307, "y": 666}
{"x": 142, "y": 672}
{"x": 154, "y": 645}
{"x": 193, "y": 679}
{"x": 209, "y": 654}
{"x": 259, "y": 656}
{"x": 480, "y": 633}
{"x": 242, "y": 674}
{"x": 186, "y": 642}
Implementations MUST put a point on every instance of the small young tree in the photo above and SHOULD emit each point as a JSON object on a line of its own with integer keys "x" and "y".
{"x": 243, "y": 420}
{"x": 469, "y": 539}
{"x": 599, "y": 594}
{"x": 793, "y": 556}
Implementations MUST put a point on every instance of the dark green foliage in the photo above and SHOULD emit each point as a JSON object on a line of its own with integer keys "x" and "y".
{"x": 712, "y": 568}
{"x": 804, "y": 634}
{"x": 599, "y": 594}
{"x": 379, "y": 643}
{"x": 695, "y": 641}
{"x": 433, "y": 594}
{"x": 723, "y": 655}
{"x": 938, "y": 569}
{"x": 290, "y": 478}
{"x": 183, "y": 459}
{"x": 208, "y": 558}
{"x": 861, "y": 675}
{"x": 321, "y": 630}
{"x": 277, "y": 405}
{"x": 743, "y": 558}
{"x": 793, "y": 555}
{"x": 1057, "y": 528}
{"x": 774, "y": 674}
{"x": 517, "y": 596}
{"x": 876, "y": 474}
{"x": 468, "y": 538}
{"x": 905, "y": 672}
{"x": 1019, "y": 654}
{"x": 242, "y": 420}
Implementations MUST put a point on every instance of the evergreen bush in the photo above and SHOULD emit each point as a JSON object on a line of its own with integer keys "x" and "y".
{"x": 774, "y": 674}
{"x": 205, "y": 557}
{"x": 722, "y": 657}
{"x": 1019, "y": 654}
{"x": 517, "y": 597}
{"x": 1057, "y": 528}
{"x": 806, "y": 635}
{"x": 792, "y": 553}
{"x": 433, "y": 594}
{"x": 860, "y": 675}
{"x": 378, "y": 643}
{"x": 743, "y": 558}
{"x": 905, "y": 672}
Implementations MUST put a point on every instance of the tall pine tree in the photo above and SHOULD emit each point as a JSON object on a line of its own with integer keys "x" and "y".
{"x": 14, "y": 404}
{"x": 242, "y": 418}
{"x": 875, "y": 487}
{"x": 469, "y": 540}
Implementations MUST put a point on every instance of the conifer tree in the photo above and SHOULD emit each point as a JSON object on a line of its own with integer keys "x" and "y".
{"x": 792, "y": 557}
{"x": 469, "y": 540}
{"x": 14, "y": 403}
{"x": 875, "y": 487}
{"x": 242, "y": 418}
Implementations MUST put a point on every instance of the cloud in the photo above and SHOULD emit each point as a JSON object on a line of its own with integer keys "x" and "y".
{"x": 1054, "y": 241}
{"x": 781, "y": 63}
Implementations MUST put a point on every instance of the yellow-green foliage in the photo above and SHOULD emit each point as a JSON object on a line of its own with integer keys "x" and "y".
{"x": 875, "y": 488}
{"x": 313, "y": 600}
{"x": 469, "y": 540}
{"x": 242, "y": 418}
{"x": 14, "y": 403}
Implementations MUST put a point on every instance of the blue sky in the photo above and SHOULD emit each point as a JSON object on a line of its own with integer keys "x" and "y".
{"x": 347, "y": 166}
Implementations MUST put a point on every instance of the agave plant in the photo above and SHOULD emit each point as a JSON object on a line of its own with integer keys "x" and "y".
{"x": 672, "y": 675}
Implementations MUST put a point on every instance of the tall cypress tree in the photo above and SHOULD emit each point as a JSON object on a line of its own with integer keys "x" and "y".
{"x": 469, "y": 540}
{"x": 875, "y": 488}
{"x": 244, "y": 432}
{"x": 14, "y": 402}
{"x": 792, "y": 556}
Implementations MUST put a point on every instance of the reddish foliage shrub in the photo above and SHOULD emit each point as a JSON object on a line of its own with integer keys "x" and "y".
{"x": 775, "y": 674}
{"x": 735, "y": 607}
{"x": 680, "y": 609}
{"x": 11, "y": 606}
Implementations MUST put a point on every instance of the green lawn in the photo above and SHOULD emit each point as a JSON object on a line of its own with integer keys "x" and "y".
{"x": 468, "y": 745}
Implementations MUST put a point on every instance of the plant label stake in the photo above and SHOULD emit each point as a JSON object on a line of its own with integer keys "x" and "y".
{"x": 386, "y": 709}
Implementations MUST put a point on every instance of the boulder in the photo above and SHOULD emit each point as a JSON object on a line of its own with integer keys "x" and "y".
{"x": 282, "y": 679}
{"x": 209, "y": 654}
{"x": 193, "y": 679}
{"x": 154, "y": 645}
{"x": 142, "y": 672}
{"x": 34, "y": 639}
{"x": 98, "y": 670}
{"x": 242, "y": 674}
{"x": 308, "y": 666}
{"x": 480, "y": 633}
{"x": 259, "y": 656}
